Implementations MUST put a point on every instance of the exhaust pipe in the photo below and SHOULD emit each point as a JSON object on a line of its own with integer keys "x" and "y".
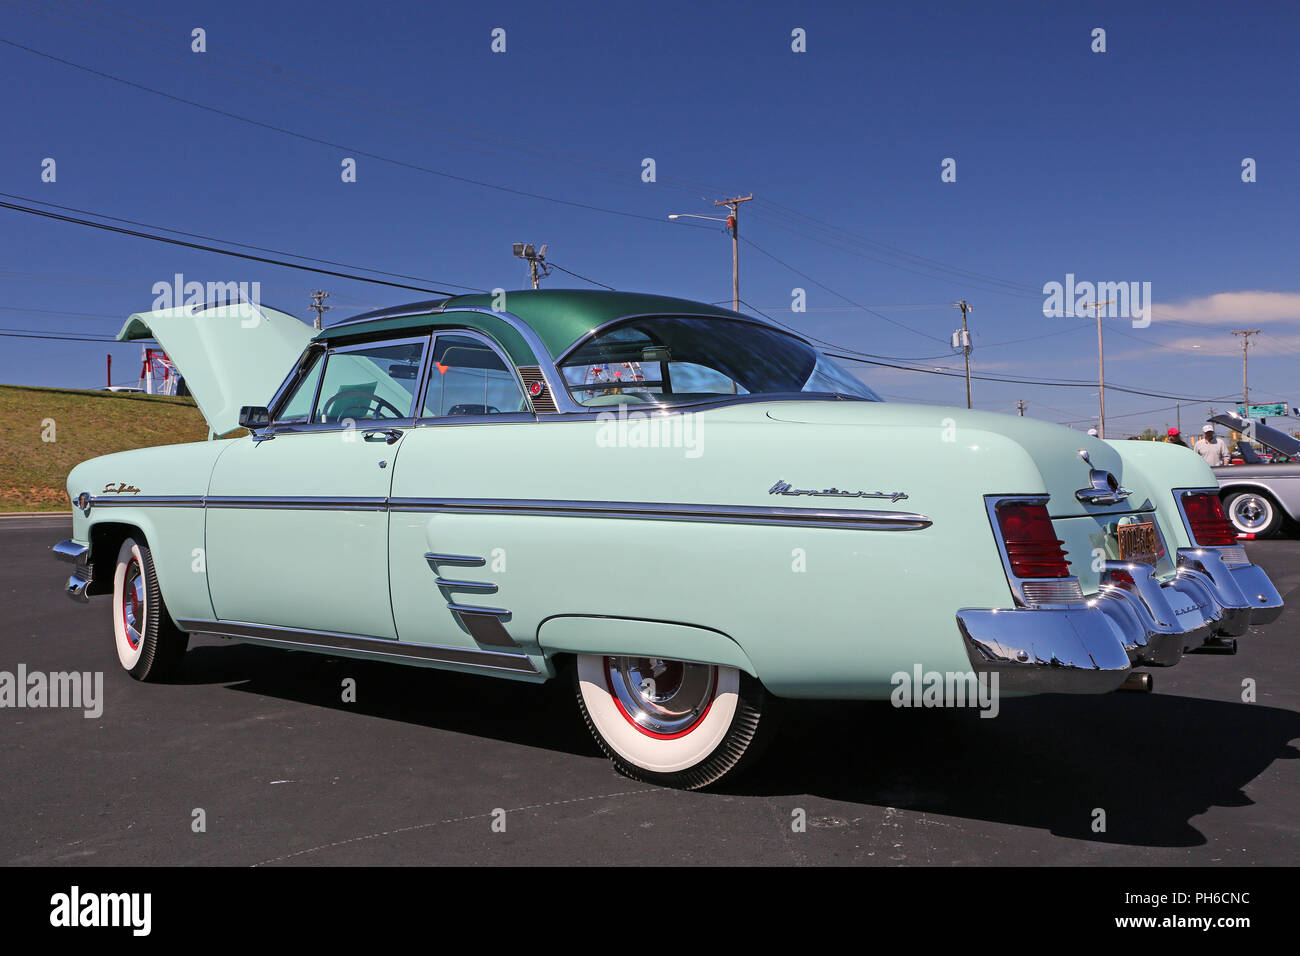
{"x": 1139, "y": 681}
{"x": 1217, "y": 645}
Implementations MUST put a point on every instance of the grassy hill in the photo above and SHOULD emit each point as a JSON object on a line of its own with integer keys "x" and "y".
{"x": 85, "y": 424}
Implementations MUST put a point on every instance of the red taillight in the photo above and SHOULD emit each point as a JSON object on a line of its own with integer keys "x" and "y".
{"x": 1032, "y": 546}
{"x": 1119, "y": 578}
{"x": 1209, "y": 526}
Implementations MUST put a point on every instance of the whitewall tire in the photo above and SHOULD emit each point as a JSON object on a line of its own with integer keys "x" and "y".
{"x": 149, "y": 645}
{"x": 672, "y": 723}
{"x": 1252, "y": 513}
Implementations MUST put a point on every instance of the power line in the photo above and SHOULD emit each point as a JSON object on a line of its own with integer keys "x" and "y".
{"x": 206, "y": 248}
{"x": 879, "y": 315}
{"x": 35, "y": 334}
{"x": 842, "y": 348}
{"x": 582, "y": 277}
{"x": 88, "y": 315}
{"x": 333, "y": 145}
{"x": 856, "y": 356}
{"x": 958, "y": 280}
{"x": 603, "y": 171}
{"x": 935, "y": 265}
{"x": 901, "y": 253}
{"x": 231, "y": 242}
{"x": 954, "y": 373}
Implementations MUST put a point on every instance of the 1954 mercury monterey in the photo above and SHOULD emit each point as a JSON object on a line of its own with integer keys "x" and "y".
{"x": 689, "y": 511}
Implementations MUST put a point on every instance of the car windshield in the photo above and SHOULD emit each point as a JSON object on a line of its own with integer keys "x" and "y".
{"x": 674, "y": 360}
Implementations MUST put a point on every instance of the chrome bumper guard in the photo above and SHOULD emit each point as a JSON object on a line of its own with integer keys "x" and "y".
{"x": 78, "y": 554}
{"x": 1090, "y": 647}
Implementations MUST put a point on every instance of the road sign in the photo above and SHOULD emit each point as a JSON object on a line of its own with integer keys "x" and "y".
{"x": 1275, "y": 410}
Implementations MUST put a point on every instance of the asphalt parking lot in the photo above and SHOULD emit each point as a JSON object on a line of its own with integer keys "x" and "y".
{"x": 413, "y": 771}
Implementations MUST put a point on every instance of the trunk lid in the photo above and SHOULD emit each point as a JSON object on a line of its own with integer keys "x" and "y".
{"x": 1054, "y": 449}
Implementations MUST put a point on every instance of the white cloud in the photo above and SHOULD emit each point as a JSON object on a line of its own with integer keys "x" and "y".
{"x": 1228, "y": 307}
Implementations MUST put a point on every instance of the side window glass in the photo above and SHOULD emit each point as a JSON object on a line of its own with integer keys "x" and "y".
{"x": 370, "y": 383}
{"x": 297, "y": 409}
{"x": 469, "y": 378}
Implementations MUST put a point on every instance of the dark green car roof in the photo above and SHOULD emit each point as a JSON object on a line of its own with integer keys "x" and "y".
{"x": 559, "y": 317}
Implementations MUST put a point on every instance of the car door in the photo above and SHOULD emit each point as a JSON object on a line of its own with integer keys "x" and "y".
{"x": 448, "y": 579}
{"x": 297, "y": 517}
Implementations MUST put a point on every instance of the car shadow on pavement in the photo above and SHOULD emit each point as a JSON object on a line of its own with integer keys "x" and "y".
{"x": 1150, "y": 762}
{"x": 534, "y": 715}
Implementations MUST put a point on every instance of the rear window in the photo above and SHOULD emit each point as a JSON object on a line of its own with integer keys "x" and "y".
{"x": 682, "y": 359}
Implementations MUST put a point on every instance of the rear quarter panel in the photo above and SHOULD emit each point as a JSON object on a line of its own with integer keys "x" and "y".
{"x": 819, "y": 612}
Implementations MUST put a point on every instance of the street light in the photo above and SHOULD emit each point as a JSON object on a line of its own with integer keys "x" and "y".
{"x": 733, "y": 224}
{"x": 537, "y": 265}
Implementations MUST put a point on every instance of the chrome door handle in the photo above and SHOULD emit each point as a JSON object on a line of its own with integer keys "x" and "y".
{"x": 385, "y": 435}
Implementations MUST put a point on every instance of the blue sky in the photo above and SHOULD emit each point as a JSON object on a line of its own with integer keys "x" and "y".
{"x": 1115, "y": 166}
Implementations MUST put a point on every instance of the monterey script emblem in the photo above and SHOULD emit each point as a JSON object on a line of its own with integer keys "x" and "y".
{"x": 784, "y": 488}
{"x": 121, "y": 488}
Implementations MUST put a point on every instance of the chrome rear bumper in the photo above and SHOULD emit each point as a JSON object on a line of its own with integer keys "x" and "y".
{"x": 1091, "y": 647}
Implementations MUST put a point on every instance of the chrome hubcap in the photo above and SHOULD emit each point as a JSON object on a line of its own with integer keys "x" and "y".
{"x": 133, "y": 603}
{"x": 1250, "y": 513}
{"x": 661, "y": 697}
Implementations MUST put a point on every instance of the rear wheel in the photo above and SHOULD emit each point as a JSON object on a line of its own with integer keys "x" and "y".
{"x": 1252, "y": 513}
{"x": 149, "y": 644}
{"x": 672, "y": 723}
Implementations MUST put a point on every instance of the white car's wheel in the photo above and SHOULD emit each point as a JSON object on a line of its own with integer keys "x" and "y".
{"x": 672, "y": 723}
{"x": 1252, "y": 513}
{"x": 149, "y": 645}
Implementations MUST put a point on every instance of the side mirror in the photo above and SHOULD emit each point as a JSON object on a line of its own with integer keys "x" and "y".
{"x": 254, "y": 417}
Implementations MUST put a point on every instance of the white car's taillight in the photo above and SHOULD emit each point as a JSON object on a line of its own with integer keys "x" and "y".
{"x": 1208, "y": 526}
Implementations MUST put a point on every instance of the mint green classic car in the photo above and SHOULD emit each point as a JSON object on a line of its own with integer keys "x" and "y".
{"x": 689, "y": 512}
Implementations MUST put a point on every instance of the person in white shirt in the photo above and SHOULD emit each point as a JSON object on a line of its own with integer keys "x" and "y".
{"x": 1213, "y": 450}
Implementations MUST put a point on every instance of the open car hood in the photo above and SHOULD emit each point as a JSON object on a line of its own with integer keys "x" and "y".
{"x": 1274, "y": 438}
{"x": 229, "y": 355}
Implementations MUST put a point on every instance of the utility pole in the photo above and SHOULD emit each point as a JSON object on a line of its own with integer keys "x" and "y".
{"x": 961, "y": 340}
{"x": 1245, "y": 383}
{"x": 1020, "y": 404}
{"x": 537, "y": 266}
{"x": 1101, "y": 369}
{"x": 318, "y": 305}
{"x": 733, "y": 223}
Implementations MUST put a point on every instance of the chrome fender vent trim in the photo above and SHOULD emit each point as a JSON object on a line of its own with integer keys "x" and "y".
{"x": 484, "y": 624}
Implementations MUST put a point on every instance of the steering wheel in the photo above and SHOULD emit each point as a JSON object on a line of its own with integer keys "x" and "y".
{"x": 382, "y": 404}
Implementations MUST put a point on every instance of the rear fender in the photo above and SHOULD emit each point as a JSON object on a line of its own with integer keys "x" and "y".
{"x": 574, "y": 634}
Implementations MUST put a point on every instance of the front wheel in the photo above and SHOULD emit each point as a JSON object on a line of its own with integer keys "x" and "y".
{"x": 1252, "y": 513}
{"x": 149, "y": 644}
{"x": 673, "y": 723}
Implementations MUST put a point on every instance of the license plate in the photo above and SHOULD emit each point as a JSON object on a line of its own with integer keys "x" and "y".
{"x": 1138, "y": 542}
